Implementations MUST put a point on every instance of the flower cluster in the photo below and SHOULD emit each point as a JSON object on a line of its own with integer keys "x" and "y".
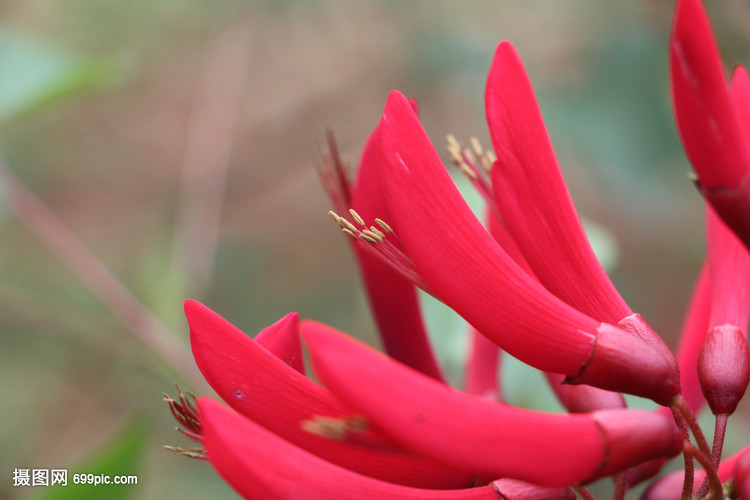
{"x": 528, "y": 283}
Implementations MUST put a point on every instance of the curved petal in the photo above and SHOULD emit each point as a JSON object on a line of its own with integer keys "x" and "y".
{"x": 706, "y": 119}
{"x": 483, "y": 367}
{"x": 583, "y": 398}
{"x": 739, "y": 91}
{"x": 259, "y": 464}
{"x": 693, "y": 333}
{"x": 393, "y": 299}
{"x": 729, "y": 265}
{"x": 465, "y": 266}
{"x": 489, "y": 438}
{"x": 484, "y": 360}
{"x": 724, "y": 360}
{"x": 265, "y": 389}
{"x": 533, "y": 199}
{"x": 513, "y": 489}
{"x": 283, "y": 341}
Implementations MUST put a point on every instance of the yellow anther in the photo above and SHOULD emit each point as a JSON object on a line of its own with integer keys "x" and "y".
{"x": 336, "y": 217}
{"x": 345, "y": 224}
{"x": 476, "y": 146}
{"x": 368, "y": 238}
{"x": 377, "y": 231}
{"x": 357, "y": 218}
{"x": 349, "y": 233}
{"x": 372, "y": 235}
{"x": 383, "y": 224}
{"x": 468, "y": 172}
{"x": 470, "y": 156}
{"x": 491, "y": 158}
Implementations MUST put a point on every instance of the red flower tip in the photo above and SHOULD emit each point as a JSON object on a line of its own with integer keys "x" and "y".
{"x": 712, "y": 123}
{"x": 622, "y": 361}
{"x": 463, "y": 264}
{"x": 513, "y": 489}
{"x": 283, "y": 341}
{"x": 632, "y": 434}
{"x": 724, "y": 368}
{"x": 706, "y": 119}
{"x": 533, "y": 199}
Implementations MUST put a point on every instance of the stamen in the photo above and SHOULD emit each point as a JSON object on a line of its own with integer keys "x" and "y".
{"x": 357, "y": 218}
{"x": 476, "y": 146}
{"x": 484, "y": 158}
{"x": 491, "y": 159}
{"x": 368, "y": 238}
{"x": 475, "y": 164}
{"x": 383, "y": 224}
{"x": 353, "y": 430}
{"x": 198, "y": 453}
{"x": 378, "y": 244}
{"x": 334, "y": 173}
{"x": 334, "y": 216}
{"x": 377, "y": 231}
{"x": 185, "y": 412}
{"x": 371, "y": 236}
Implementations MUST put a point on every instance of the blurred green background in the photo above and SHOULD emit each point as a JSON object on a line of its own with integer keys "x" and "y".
{"x": 174, "y": 140}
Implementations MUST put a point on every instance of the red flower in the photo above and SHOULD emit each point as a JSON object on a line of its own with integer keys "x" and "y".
{"x": 259, "y": 464}
{"x": 465, "y": 267}
{"x": 713, "y": 120}
{"x": 389, "y": 426}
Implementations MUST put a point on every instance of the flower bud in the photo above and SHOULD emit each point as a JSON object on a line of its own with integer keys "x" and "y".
{"x": 724, "y": 368}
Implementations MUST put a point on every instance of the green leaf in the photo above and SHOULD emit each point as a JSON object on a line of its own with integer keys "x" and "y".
{"x": 121, "y": 458}
{"x": 34, "y": 76}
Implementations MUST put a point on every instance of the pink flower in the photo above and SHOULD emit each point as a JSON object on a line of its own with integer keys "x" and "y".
{"x": 713, "y": 119}
{"x": 389, "y": 426}
{"x": 465, "y": 267}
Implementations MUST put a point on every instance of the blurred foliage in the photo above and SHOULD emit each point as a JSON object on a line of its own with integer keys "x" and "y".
{"x": 36, "y": 76}
{"x": 96, "y": 103}
{"x": 122, "y": 457}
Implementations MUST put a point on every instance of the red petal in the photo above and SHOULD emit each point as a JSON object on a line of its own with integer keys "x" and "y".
{"x": 283, "y": 341}
{"x": 708, "y": 125}
{"x": 513, "y": 489}
{"x": 463, "y": 264}
{"x": 624, "y": 361}
{"x": 729, "y": 265}
{"x": 489, "y": 438}
{"x": 262, "y": 387}
{"x": 583, "y": 398}
{"x": 739, "y": 91}
{"x": 393, "y": 299}
{"x": 694, "y": 329}
{"x": 533, "y": 199}
{"x": 483, "y": 363}
{"x": 259, "y": 464}
{"x": 482, "y": 367}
